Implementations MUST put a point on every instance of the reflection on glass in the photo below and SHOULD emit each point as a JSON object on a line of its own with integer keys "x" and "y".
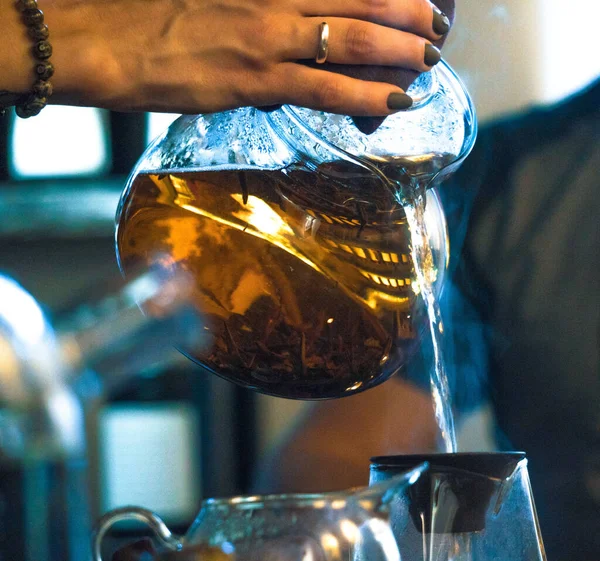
{"x": 157, "y": 124}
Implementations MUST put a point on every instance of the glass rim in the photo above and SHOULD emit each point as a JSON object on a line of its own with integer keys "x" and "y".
{"x": 331, "y": 499}
{"x": 271, "y": 499}
{"x": 490, "y": 465}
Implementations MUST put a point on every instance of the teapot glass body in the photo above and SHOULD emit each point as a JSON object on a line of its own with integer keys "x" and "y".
{"x": 291, "y": 227}
{"x": 351, "y": 525}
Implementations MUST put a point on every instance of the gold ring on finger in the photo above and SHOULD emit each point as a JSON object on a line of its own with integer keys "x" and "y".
{"x": 323, "y": 49}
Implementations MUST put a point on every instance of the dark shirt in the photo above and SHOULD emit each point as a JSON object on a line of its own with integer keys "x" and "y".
{"x": 528, "y": 261}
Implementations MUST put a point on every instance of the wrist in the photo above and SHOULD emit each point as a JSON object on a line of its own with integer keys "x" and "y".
{"x": 101, "y": 51}
{"x": 86, "y": 72}
{"x": 16, "y": 61}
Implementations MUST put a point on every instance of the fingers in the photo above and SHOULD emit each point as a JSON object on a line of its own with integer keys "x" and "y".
{"x": 359, "y": 42}
{"x": 335, "y": 93}
{"x": 416, "y": 16}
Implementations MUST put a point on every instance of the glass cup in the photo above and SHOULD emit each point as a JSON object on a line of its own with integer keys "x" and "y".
{"x": 467, "y": 507}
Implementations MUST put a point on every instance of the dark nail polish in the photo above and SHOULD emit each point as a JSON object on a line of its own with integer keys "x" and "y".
{"x": 398, "y": 101}
{"x": 441, "y": 24}
{"x": 432, "y": 55}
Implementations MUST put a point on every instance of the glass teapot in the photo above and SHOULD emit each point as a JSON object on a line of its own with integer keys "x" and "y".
{"x": 352, "y": 525}
{"x": 291, "y": 224}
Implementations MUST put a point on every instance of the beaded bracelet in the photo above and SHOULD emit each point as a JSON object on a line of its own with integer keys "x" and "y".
{"x": 32, "y": 103}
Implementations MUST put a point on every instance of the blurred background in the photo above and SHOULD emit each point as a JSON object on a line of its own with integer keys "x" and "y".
{"x": 168, "y": 436}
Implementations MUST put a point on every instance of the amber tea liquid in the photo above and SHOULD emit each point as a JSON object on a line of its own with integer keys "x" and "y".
{"x": 299, "y": 296}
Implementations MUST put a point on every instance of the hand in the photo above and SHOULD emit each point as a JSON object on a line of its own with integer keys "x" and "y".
{"x": 198, "y": 56}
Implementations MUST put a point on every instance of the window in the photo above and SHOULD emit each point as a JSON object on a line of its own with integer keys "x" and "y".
{"x": 569, "y": 60}
{"x": 76, "y": 142}
{"x": 60, "y": 141}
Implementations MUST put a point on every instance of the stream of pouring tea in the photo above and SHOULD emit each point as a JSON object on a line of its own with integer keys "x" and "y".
{"x": 426, "y": 274}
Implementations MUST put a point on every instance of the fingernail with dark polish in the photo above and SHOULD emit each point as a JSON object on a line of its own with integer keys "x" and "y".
{"x": 398, "y": 101}
{"x": 432, "y": 55}
{"x": 441, "y": 24}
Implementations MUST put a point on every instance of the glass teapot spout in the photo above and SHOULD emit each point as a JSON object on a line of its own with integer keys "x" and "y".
{"x": 380, "y": 496}
{"x": 418, "y": 147}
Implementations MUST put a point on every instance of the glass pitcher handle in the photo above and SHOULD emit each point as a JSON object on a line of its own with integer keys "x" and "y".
{"x": 164, "y": 535}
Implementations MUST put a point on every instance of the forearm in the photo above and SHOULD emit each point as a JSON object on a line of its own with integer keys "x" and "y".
{"x": 332, "y": 444}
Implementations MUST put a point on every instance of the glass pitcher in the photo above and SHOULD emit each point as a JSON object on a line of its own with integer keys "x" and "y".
{"x": 467, "y": 507}
{"x": 292, "y": 225}
{"x": 317, "y": 527}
